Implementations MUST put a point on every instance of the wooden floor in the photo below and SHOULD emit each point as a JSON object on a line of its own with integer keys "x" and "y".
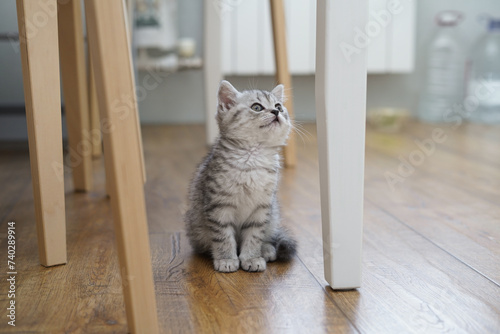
{"x": 431, "y": 256}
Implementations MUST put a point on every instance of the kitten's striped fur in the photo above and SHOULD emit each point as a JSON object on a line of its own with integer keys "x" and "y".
{"x": 233, "y": 212}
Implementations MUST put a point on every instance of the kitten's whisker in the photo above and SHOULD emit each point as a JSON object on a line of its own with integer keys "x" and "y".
{"x": 300, "y": 135}
{"x": 299, "y": 123}
{"x": 305, "y": 135}
{"x": 300, "y": 126}
{"x": 301, "y": 132}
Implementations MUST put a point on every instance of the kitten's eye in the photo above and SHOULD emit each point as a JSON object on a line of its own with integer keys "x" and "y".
{"x": 257, "y": 107}
{"x": 278, "y": 106}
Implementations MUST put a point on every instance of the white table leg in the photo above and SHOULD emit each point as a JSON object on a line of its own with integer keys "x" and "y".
{"x": 340, "y": 110}
{"x": 212, "y": 72}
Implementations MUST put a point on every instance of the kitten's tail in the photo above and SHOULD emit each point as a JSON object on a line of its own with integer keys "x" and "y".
{"x": 285, "y": 244}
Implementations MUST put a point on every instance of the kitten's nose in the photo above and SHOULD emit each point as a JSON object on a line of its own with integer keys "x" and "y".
{"x": 275, "y": 112}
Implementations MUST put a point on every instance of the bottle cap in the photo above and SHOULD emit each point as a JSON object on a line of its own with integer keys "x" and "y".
{"x": 494, "y": 24}
{"x": 449, "y": 18}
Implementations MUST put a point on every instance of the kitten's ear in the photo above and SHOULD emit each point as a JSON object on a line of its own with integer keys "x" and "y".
{"x": 279, "y": 92}
{"x": 227, "y": 95}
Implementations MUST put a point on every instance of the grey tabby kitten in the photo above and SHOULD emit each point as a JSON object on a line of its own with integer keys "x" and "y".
{"x": 233, "y": 213}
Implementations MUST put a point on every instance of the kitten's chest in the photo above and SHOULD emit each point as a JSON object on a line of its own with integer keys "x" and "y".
{"x": 252, "y": 190}
{"x": 253, "y": 174}
{"x": 254, "y": 184}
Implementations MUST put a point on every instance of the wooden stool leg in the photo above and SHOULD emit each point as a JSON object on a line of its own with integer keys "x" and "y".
{"x": 40, "y": 63}
{"x": 95, "y": 126}
{"x": 282, "y": 72}
{"x": 74, "y": 78}
{"x": 340, "y": 111}
{"x": 111, "y": 58}
{"x": 212, "y": 70}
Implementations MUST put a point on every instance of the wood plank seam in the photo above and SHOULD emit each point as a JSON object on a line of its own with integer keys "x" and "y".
{"x": 432, "y": 242}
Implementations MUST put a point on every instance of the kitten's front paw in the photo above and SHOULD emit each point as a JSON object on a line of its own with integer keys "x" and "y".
{"x": 255, "y": 264}
{"x": 227, "y": 265}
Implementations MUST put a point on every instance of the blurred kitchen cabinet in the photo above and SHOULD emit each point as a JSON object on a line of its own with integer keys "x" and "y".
{"x": 247, "y": 46}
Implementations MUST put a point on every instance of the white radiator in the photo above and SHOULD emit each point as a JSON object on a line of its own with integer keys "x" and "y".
{"x": 247, "y": 45}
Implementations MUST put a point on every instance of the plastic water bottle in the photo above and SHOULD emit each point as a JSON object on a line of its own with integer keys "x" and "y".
{"x": 484, "y": 75}
{"x": 444, "y": 82}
